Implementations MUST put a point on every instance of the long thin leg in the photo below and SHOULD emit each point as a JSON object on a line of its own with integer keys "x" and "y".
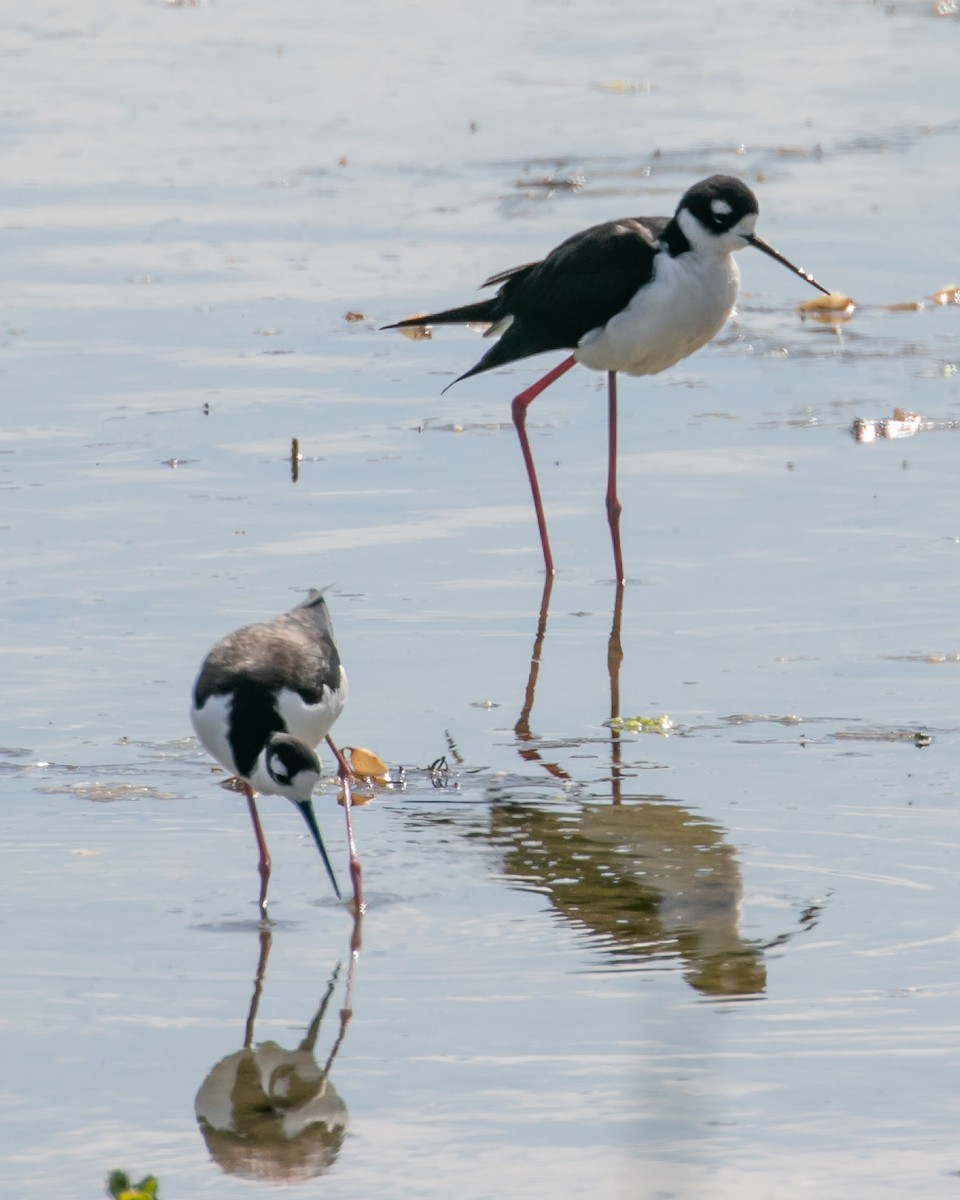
{"x": 519, "y": 410}
{"x": 344, "y": 773}
{"x": 614, "y": 507}
{"x": 264, "y": 865}
{"x": 614, "y": 663}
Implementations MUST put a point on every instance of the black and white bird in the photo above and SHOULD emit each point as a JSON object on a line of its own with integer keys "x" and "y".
{"x": 635, "y": 295}
{"x": 266, "y": 695}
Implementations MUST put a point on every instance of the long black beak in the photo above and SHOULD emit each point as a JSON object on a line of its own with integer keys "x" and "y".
{"x": 778, "y": 257}
{"x": 306, "y": 809}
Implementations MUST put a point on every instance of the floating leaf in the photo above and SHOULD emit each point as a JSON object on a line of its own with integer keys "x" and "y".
{"x": 357, "y": 799}
{"x": 354, "y": 316}
{"x": 367, "y": 765}
{"x": 417, "y": 333}
{"x": 661, "y": 725}
{"x": 234, "y": 784}
{"x": 625, "y": 87}
{"x": 947, "y": 295}
{"x": 120, "y": 1187}
{"x": 829, "y": 308}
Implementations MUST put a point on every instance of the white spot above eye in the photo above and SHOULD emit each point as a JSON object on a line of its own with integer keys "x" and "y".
{"x": 275, "y": 766}
{"x": 720, "y": 208}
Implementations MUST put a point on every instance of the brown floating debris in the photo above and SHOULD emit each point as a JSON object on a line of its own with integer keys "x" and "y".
{"x": 901, "y": 425}
{"x": 417, "y": 333}
{"x": 354, "y": 316}
{"x": 367, "y": 765}
{"x": 947, "y": 295}
{"x": 357, "y": 799}
{"x": 573, "y": 183}
{"x": 834, "y": 307}
{"x": 625, "y": 87}
{"x": 918, "y": 737}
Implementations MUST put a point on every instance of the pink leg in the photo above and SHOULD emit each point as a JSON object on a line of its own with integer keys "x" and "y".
{"x": 519, "y": 409}
{"x": 343, "y": 771}
{"x": 264, "y": 864}
{"x": 614, "y": 507}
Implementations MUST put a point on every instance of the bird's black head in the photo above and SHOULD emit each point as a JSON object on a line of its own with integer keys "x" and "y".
{"x": 719, "y": 214}
{"x": 719, "y": 203}
{"x": 292, "y": 765}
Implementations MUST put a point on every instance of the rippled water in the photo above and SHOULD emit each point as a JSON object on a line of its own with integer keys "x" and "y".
{"x": 715, "y": 960}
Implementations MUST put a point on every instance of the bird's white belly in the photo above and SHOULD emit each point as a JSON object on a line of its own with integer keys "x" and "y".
{"x": 309, "y": 722}
{"x": 681, "y": 310}
{"x": 211, "y": 724}
{"x": 312, "y": 722}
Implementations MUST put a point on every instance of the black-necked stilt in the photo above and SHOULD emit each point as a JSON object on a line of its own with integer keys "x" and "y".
{"x": 266, "y": 695}
{"x": 635, "y": 295}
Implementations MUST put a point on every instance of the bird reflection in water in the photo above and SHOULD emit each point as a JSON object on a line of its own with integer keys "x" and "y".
{"x": 650, "y": 879}
{"x": 267, "y": 1113}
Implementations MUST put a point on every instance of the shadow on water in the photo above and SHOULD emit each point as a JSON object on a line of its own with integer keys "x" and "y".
{"x": 271, "y": 1114}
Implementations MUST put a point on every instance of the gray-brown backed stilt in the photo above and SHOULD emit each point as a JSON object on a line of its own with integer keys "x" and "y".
{"x": 266, "y": 695}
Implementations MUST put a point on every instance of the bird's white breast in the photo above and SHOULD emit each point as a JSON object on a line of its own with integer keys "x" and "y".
{"x": 686, "y": 304}
{"x": 211, "y": 724}
{"x": 309, "y": 722}
{"x": 312, "y": 722}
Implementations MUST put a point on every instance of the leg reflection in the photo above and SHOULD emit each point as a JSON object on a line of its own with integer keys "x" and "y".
{"x": 271, "y": 1114}
{"x": 527, "y": 750}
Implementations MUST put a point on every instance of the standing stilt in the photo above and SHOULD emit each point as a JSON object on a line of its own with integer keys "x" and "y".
{"x": 638, "y": 295}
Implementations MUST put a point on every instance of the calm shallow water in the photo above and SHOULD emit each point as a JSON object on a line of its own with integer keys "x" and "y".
{"x": 741, "y": 980}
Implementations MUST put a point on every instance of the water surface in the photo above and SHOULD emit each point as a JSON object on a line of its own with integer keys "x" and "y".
{"x": 716, "y": 963}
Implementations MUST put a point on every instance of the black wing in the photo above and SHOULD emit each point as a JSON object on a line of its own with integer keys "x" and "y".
{"x": 579, "y": 286}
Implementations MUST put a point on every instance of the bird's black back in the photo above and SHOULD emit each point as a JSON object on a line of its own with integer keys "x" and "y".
{"x": 295, "y": 651}
{"x": 579, "y": 286}
{"x": 589, "y": 278}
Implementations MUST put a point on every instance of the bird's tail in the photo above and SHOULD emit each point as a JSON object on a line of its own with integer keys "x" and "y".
{"x": 316, "y": 605}
{"x": 482, "y": 310}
